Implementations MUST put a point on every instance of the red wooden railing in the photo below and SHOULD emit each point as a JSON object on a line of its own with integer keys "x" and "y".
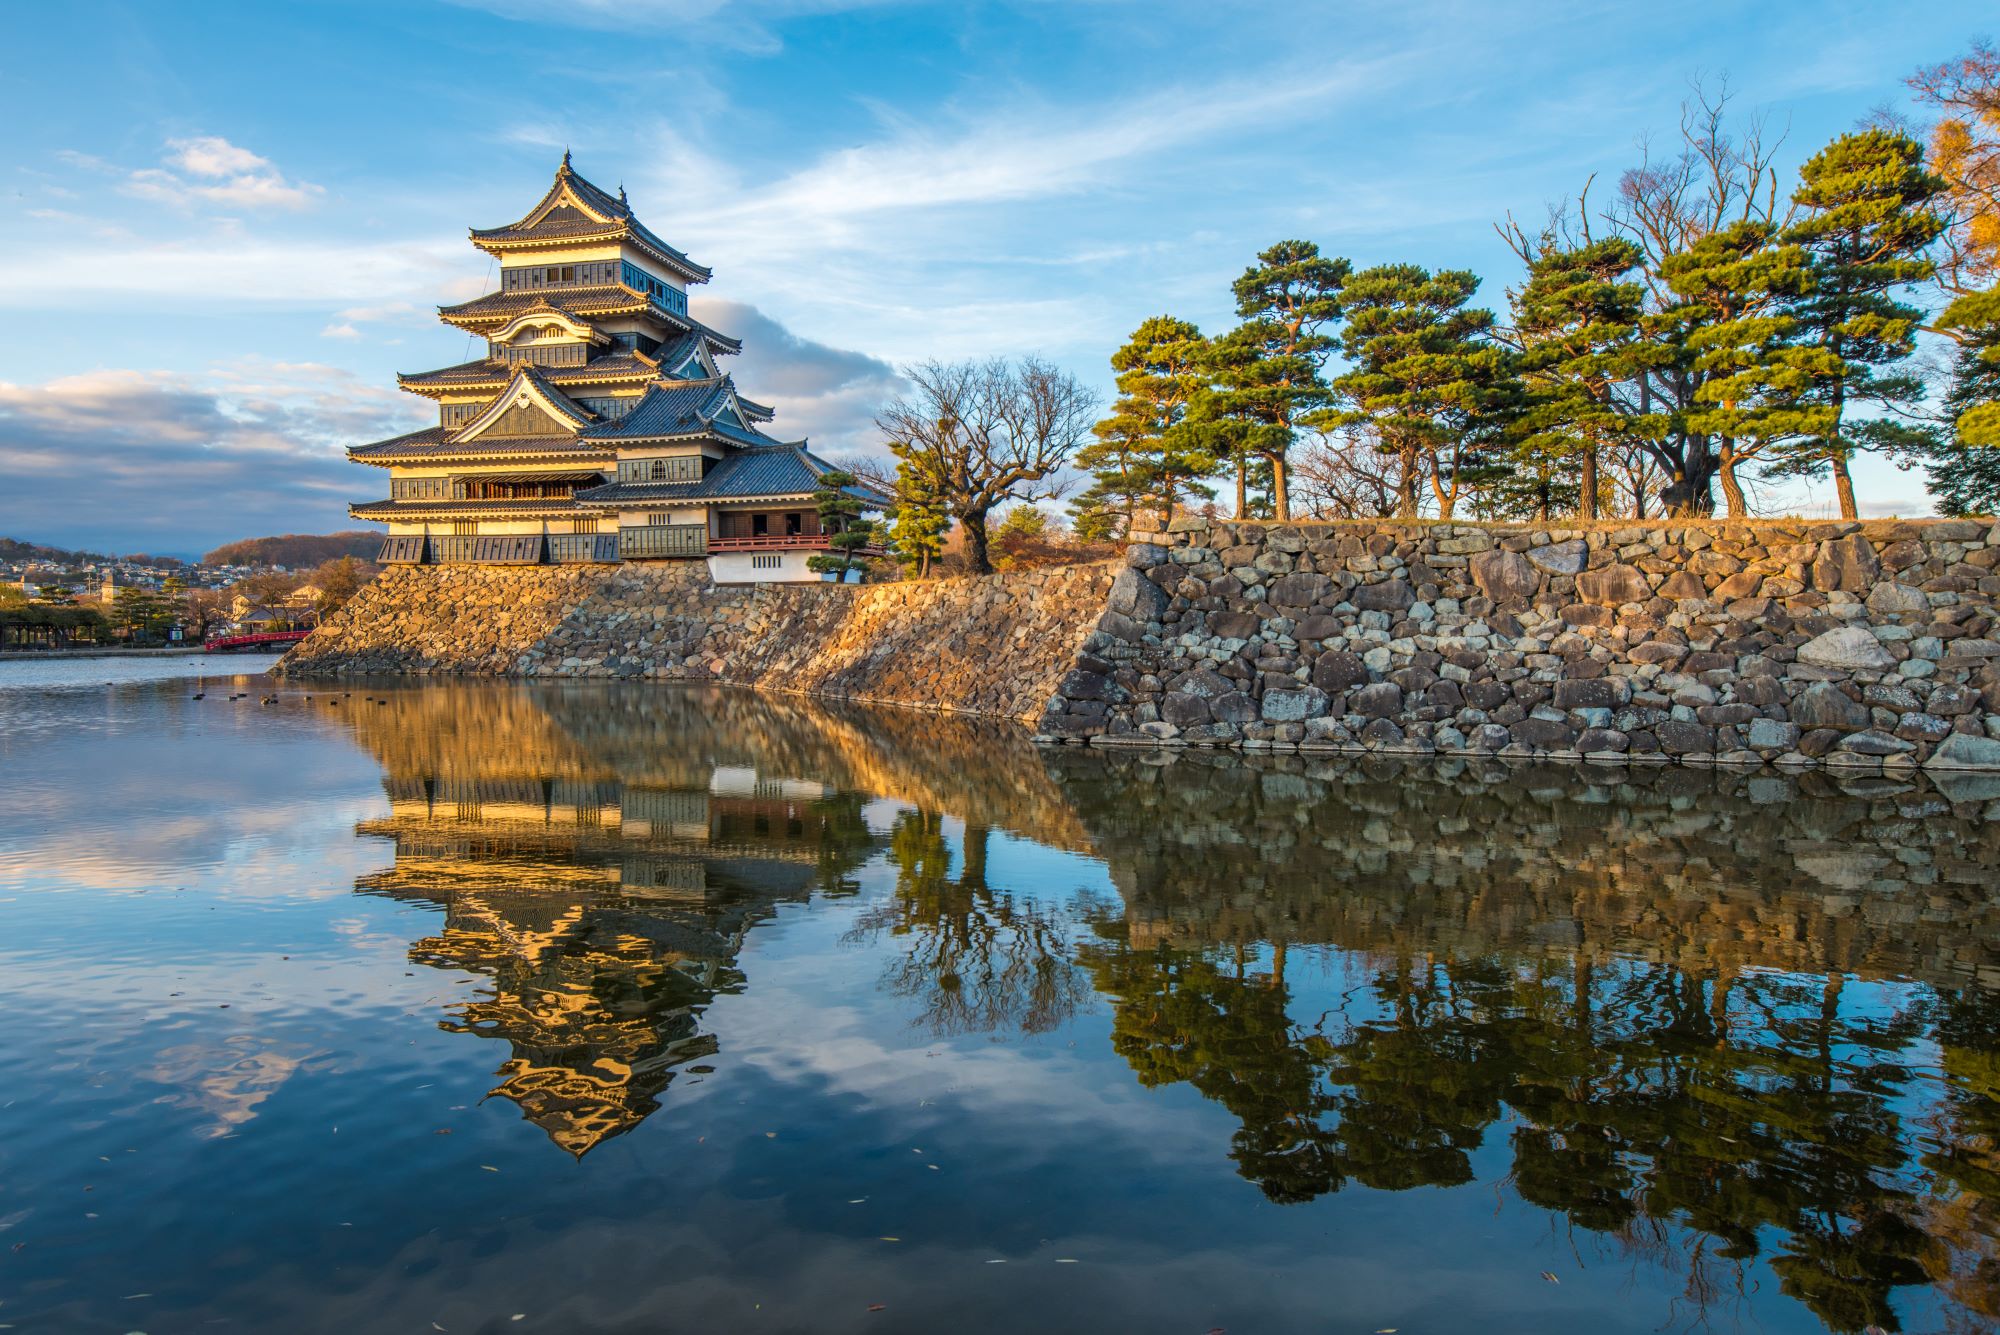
{"x": 795, "y": 542}
{"x": 253, "y": 641}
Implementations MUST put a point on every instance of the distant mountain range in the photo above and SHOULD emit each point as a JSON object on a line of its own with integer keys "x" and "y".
{"x": 297, "y": 550}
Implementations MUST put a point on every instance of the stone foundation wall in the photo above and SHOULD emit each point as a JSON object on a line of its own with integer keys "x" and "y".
{"x": 995, "y": 645}
{"x": 1798, "y": 643}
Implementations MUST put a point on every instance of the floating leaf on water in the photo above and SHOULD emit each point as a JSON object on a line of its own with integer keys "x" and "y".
{"x": 489, "y": 1168}
{"x": 877, "y": 1307}
{"x": 1550, "y": 1278}
{"x": 1065, "y": 1260}
{"x": 892, "y": 1239}
{"x": 857, "y": 1200}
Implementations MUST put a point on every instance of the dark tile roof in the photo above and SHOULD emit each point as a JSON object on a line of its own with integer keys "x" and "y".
{"x": 565, "y": 221}
{"x": 619, "y": 365}
{"x": 435, "y": 443}
{"x": 601, "y": 299}
{"x": 680, "y": 408}
{"x": 582, "y": 303}
{"x": 424, "y": 509}
{"x": 747, "y": 475}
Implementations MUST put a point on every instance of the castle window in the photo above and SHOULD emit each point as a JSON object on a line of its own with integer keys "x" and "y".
{"x": 464, "y": 528}
{"x": 659, "y": 473}
{"x": 767, "y": 562}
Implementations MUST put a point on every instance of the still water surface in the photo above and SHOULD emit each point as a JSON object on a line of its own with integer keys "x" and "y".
{"x": 497, "y": 1008}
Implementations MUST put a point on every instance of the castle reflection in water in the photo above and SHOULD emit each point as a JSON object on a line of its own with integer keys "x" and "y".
{"x": 1711, "y": 1017}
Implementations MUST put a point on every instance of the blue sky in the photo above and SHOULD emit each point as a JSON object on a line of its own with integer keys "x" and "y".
{"x": 228, "y": 225}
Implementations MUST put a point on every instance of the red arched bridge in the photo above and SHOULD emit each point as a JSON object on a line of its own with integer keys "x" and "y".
{"x": 260, "y": 640}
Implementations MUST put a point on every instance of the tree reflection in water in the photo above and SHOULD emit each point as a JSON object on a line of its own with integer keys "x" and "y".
{"x": 974, "y": 959}
{"x": 1523, "y": 961}
{"x": 1703, "y": 1019}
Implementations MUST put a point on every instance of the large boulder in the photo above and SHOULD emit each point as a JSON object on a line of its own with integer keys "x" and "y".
{"x": 1135, "y": 596}
{"x": 1294, "y": 706}
{"x": 1847, "y": 649}
{"x": 1501, "y": 575}
{"x": 1383, "y": 699}
{"x": 1898, "y": 600}
{"x": 1846, "y": 565}
{"x": 1824, "y": 705}
{"x": 1233, "y": 625}
{"x": 1560, "y": 558}
{"x": 1613, "y": 585}
{"x": 1391, "y": 595}
{"x": 1335, "y": 671}
{"x": 1964, "y": 751}
{"x": 1299, "y": 589}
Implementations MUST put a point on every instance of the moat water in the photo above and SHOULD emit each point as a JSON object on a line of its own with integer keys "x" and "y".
{"x": 503, "y": 1008}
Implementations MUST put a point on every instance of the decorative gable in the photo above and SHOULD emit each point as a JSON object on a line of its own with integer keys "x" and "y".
{"x": 529, "y": 406}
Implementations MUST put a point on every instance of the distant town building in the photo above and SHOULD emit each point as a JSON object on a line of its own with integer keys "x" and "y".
{"x": 597, "y": 426}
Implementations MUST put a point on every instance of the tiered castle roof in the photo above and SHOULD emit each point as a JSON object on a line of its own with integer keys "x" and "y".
{"x": 583, "y": 411}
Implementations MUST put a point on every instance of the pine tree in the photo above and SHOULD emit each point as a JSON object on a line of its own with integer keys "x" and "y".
{"x": 1577, "y": 318}
{"x": 1760, "y": 385}
{"x": 1156, "y": 446}
{"x": 920, "y": 517}
{"x": 1269, "y": 367}
{"x": 841, "y": 519}
{"x": 1964, "y": 474}
{"x": 1869, "y": 215}
{"x": 1428, "y": 377}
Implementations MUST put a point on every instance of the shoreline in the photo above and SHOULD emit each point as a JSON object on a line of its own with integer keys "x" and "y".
{"x": 50, "y": 655}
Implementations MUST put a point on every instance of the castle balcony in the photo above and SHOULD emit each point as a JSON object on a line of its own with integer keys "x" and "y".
{"x": 782, "y": 542}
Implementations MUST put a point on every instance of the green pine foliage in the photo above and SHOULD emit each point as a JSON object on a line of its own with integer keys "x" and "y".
{"x": 1159, "y": 443}
{"x": 841, "y": 518}
{"x": 1869, "y": 215}
{"x": 1429, "y": 377}
{"x": 920, "y": 517}
{"x": 1577, "y": 319}
{"x": 1762, "y": 384}
{"x": 1964, "y": 472}
{"x": 1269, "y": 369}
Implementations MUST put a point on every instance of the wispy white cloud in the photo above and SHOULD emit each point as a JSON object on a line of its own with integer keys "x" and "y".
{"x": 742, "y": 25}
{"x": 209, "y": 169}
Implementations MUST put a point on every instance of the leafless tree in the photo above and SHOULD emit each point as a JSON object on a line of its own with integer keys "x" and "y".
{"x": 1344, "y": 475}
{"x": 990, "y": 432}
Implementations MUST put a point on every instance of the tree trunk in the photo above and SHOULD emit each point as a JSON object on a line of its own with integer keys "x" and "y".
{"x": 1732, "y": 489}
{"x": 1406, "y": 487}
{"x": 1242, "y": 483}
{"x": 1843, "y": 486}
{"x": 1587, "y": 498}
{"x": 975, "y": 543}
{"x": 1281, "y": 499}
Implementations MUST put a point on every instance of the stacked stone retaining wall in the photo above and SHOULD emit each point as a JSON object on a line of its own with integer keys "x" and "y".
{"x": 994, "y": 645}
{"x": 1863, "y": 645}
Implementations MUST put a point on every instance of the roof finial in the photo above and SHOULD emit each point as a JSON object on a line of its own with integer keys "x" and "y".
{"x": 565, "y": 165}
{"x": 621, "y": 192}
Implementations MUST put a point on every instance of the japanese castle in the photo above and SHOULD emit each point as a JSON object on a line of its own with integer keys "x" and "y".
{"x": 597, "y": 427}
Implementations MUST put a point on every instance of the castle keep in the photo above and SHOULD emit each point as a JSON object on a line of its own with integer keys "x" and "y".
{"x": 597, "y": 427}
